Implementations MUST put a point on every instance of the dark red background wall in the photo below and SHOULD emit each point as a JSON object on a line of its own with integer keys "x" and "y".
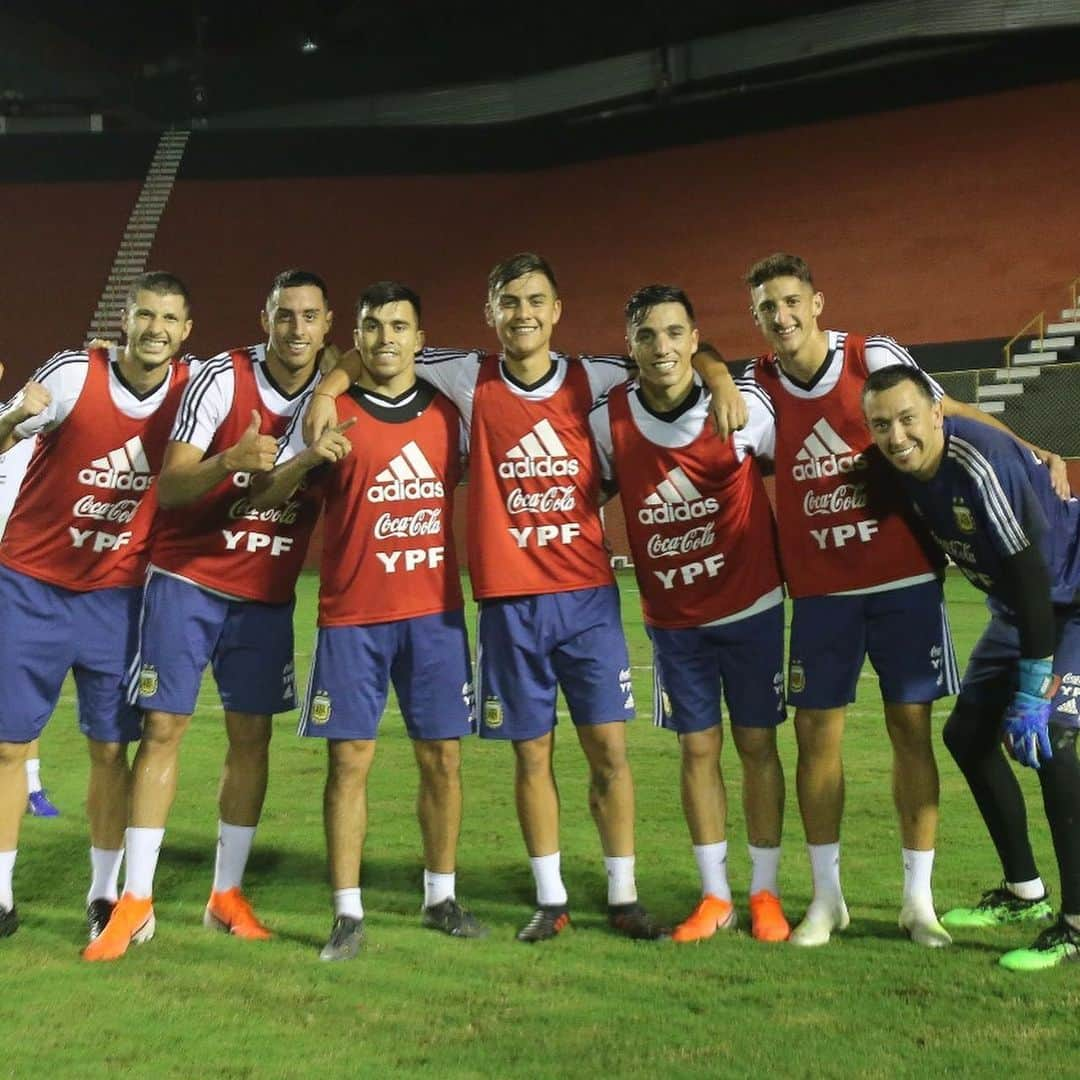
{"x": 951, "y": 221}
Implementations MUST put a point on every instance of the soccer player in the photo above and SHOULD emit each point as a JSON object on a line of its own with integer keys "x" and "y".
{"x": 73, "y": 558}
{"x": 220, "y": 591}
{"x": 704, "y": 547}
{"x": 13, "y": 465}
{"x": 549, "y": 609}
{"x": 853, "y": 564}
{"x": 990, "y": 506}
{"x": 390, "y": 605}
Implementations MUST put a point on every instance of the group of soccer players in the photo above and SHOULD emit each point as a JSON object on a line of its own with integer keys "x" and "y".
{"x": 247, "y": 447}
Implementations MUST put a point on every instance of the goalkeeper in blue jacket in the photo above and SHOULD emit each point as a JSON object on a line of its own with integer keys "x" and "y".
{"x": 989, "y": 505}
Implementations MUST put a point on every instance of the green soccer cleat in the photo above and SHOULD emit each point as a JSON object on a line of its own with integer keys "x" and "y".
{"x": 999, "y": 907}
{"x": 1055, "y": 945}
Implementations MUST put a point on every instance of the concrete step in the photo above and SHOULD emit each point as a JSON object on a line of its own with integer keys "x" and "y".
{"x": 1070, "y": 314}
{"x": 992, "y": 406}
{"x": 1035, "y": 344}
{"x": 1072, "y": 327}
{"x": 1000, "y": 390}
{"x": 1022, "y": 359}
{"x": 1025, "y": 373}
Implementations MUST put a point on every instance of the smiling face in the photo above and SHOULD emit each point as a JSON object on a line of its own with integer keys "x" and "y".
{"x": 907, "y": 427}
{"x": 662, "y": 342}
{"x": 786, "y": 311}
{"x": 524, "y": 312}
{"x": 297, "y": 321}
{"x": 156, "y": 325}
{"x": 388, "y": 337}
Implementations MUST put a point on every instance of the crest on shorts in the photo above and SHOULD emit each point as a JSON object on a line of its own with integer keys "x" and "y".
{"x": 493, "y": 712}
{"x": 965, "y": 520}
{"x": 321, "y": 707}
{"x": 148, "y": 680}
{"x": 796, "y": 678}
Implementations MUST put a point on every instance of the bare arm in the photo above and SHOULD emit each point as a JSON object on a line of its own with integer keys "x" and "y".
{"x": 275, "y": 487}
{"x": 187, "y": 474}
{"x": 35, "y": 400}
{"x": 322, "y": 411}
{"x": 1059, "y": 476}
{"x": 728, "y": 408}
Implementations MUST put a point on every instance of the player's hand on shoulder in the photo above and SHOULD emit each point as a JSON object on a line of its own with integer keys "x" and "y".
{"x": 729, "y": 412}
{"x": 321, "y": 413}
{"x": 1059, "y": 473}
{"x": 333, "y": 444}
{"x": 253, "y": 452}
{"x": 329, "y": 358}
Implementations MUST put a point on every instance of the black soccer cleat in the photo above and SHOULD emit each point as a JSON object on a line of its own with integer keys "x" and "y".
{"x": 98, "y": 913}
{"x": 547, "y": 922}
{"x": 346, "y": 939}
{"x": 633, "y": 921}
{"x": 451, "y": 918}
{"x": 9, "y": 921}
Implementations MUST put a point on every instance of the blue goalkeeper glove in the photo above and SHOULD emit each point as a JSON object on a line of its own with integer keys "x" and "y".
{"x": 1025, "y": 729}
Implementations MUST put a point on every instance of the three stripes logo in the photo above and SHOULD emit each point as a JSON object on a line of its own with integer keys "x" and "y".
{"x": 824, "y": 453}
{"x": 123, "y": 469}
{"x": 408, "y": 476}
{"x": 538, "y": 453}
{"x": 675, "y": 499}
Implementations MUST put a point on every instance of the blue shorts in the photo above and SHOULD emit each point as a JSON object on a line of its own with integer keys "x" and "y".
{"x": 529, "y": 646}
{"x": 990, "y": 678}
{"x": 744, "y": 660}
{"x": 905, "y": 632}
{"x": 48, "y": 631}
{"x": 426, "y": 658}
{"x": 184, "y": 628}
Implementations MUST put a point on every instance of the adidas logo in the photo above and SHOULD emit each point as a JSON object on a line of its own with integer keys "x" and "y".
{"x": 408, "y": 476}
{"x": 1068, "y": 706}
{"x": 539, "y": 453}
{"x": 675, "y": 499}
{"x": 125, "y": 469}
{"x": 824, "y": 453}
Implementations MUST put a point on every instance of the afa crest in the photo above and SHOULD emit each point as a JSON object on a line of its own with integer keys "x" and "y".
{"x": 796, "y": 677}
{"x": 965, "y": 520}
{"x": 321, "y": 707}
{"x": 493, "y": 713}
{"x": 148, "y": 680}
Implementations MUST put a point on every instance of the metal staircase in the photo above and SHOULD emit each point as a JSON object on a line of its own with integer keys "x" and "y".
{"x": 134, "y": 251}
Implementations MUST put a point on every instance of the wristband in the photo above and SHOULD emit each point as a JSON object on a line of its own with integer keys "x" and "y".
{"x": 1036, "y": 677}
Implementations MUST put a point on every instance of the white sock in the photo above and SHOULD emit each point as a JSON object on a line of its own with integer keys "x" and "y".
{"x": 621, "y": 886}
{"x": 348, "y": 902}
{"x": 918, "y": 868}
{"x": 1027, "y": 890}
{"x": 141, "y": 849}
{"x": 712, "y": 866}
{"x": 550, "y": 890}
{"x": 104, "y": 873}
{"x": 438, "y": 887}
{"x": 764, "y": 869}
{"x": 7, "y": 870}
{"x": 33, "y": 775}
{"x": 825, "y": 870}
{"x": 233, "y": 848}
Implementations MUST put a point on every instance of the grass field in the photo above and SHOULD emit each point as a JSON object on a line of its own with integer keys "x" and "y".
{"x": 197, "y": 1004}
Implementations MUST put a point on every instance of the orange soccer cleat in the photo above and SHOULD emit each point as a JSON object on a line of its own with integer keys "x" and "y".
{"x": 710, "y": 915}
{"x": 132, "y": 920}
{"x": 767, "y": 920}
{"x": 230, "y": 912}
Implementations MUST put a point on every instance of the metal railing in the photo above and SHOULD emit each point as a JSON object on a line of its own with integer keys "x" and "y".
{"x": 1040, "y": 318}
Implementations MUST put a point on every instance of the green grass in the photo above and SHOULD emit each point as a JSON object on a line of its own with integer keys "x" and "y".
{"x": 192, "y": 1003}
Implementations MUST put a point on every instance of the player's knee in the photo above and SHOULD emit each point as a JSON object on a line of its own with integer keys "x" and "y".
{"x": 13, "y": 755}
{"x": 439, "y": 760}
{"x": 819, "y": 732}
{"x": 962, "y": 735}
{"x": 909, "y": 728}
{"x": 107, "y": 755}
{"x": 249, "y": 734}
{"x": 756, "y": 746}
{"x": 163, "y": 730}
{"x": 533, "y": 756}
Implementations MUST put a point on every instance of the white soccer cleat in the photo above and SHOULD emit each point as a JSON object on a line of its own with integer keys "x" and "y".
{"x": 923, "y": 927}
{"x": 821, "y": 919}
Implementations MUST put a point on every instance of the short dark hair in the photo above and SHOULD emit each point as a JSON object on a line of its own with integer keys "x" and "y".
{"x": 387, "y": 292}
{"x": 887, "y": 377}
{"x": 296, "y": 279}
{"x": 524, "y": 262}
{"x": 160, "y": 282}
{"x": 646, "y": 298}
{"x": 778, "y": 265}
